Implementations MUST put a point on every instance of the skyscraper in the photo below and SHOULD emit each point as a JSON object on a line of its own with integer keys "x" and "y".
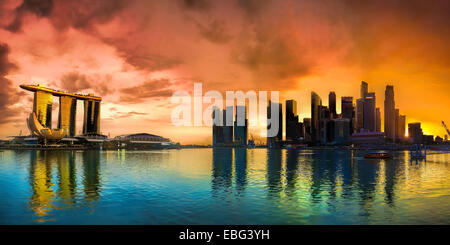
{"x": 240, "y": 126}
{"x": 369, "y": 112}
{"x": 389, "y": 112}
{"x": 415, "y": 133}
{"x": 359, "y": 114}
{"x": 332, "y": 104}
{"x": 364, "y": 89}
{"x": 217, "y": 127}
{"x": 348, "y": 111}
{"x": 378, "y": 120}
{"x": 316, "y": 103}
{"x": 228, "y": 127}
{"x": 42, "y": 106}
{"x": 401, "y": 127}
{"x": 67, "y": 114}
{"x": 292, "y": 133}
{"x": 276, "y": 140}
{"x": 91, "y": 123}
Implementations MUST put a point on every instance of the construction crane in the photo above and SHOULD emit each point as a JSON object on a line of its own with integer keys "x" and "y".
{"x": 445, "y": 126}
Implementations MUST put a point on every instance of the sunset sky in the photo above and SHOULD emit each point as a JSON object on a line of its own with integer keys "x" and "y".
{"x": 136, "y": 53}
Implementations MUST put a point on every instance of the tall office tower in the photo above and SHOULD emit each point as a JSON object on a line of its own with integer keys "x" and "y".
{"x": 67, "y": 114}
{"x": 276, "y": 140}
{"x": 307, "y": 129}
{"x": 401, "y": 127}
{"x": 240, "y": 126}
{"x": 292, "y": 133}
{"x": 389, "y": 112}
{"x": 42, "y": 106}
{"x": 316, "y": 103}
{"x": 91, "y": 123}
{"x": 228, "y": 127}
{"x": 378, "y": 120}
{"x": 324, "y": 124}
{"x": 415, "y": 133}
{"x": 332, "y": 104}
{"x": 359, "y": 114}
{"x": 369, "y": 112}
{"x": 397, "y": 123}
{"x": 348, "y": 111}
{"x": 217, "y": 127}
{"x": 364, "y": 89}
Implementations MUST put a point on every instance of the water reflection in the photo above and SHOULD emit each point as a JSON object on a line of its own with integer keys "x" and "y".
{"x": 273, "y": 171}
{"x": 222, "y": 170}
{"x": 52, "y": 193}
{"x": 258, "y": 186}
{"x": 240, "y": 165}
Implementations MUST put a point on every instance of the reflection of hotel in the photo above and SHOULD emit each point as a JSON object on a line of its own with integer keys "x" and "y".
{"x": 40, "y": 120}
{"x": 46, "y": 190}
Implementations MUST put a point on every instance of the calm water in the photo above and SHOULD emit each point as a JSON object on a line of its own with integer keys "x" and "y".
{"x": 224, "y": 186}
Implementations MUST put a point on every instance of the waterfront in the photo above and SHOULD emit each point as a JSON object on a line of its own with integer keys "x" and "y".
{"x": 221, "y": 186}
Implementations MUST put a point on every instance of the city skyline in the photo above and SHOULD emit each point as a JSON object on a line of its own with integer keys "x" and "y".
{"x": 136, "y": 60}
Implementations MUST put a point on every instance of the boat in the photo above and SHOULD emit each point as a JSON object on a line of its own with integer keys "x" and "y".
{"x": 378, "y": 155}
{"x": 295, "y": 146}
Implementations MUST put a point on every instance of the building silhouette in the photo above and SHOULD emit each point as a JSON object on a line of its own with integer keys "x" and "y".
{"x": 316, "y": 103}
{"x": 348, "y": 111}
{"x": 377, "y": 120}
{"x": 364, "y": 89}
{"x": 389, "y": 112}
{"x": 240, "y": 126}
{"x": 275, "y": 141}
{"x": 293, "y": 130}
{"x": 369, "y": 112}
{"x": 415, "y": 133}
{"x": 332, "y": 104}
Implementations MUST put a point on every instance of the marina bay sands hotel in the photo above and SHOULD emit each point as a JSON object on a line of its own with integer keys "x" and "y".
{"x": 40, "y": 121}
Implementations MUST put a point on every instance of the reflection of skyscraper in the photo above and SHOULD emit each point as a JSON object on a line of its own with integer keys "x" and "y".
{"x": 291, "y": 171}
{"x": 369, "y": 112}
{"x": 66, "y": 175}
{"x": 274, "y": 171}
{"x": 222, "y": 169}
{"x": 41, "y": 183}
{"x": 332, "y": 104}
{"x": 67, "y": 114}
{"x": 91, "y": 170}
{"x": 240, "y": 167}
{"x": 91, "y": 117}
{"x": 316, "y": 103}
{"x": 389, "y": 112}
{"x": 42, "y": 106}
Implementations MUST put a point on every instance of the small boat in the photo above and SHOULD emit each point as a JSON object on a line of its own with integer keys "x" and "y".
{"x": 295, "y": 146}
{"x": 378, "y": 155}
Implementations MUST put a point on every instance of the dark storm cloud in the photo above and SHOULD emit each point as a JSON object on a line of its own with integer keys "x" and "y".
{"x": 150, "y": 89}
{"x": 40, "y": 8}
{"x": 83, "y": 14}
{"x": 150, "y": 62}
{"x": 195, "y": 4}
{"x": 75, "y": 82}
{"x": 8, "y": 93}
{"x": 215, "y": 31}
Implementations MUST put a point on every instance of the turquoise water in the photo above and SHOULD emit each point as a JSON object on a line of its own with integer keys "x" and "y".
{"x": 222, "y": 186}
